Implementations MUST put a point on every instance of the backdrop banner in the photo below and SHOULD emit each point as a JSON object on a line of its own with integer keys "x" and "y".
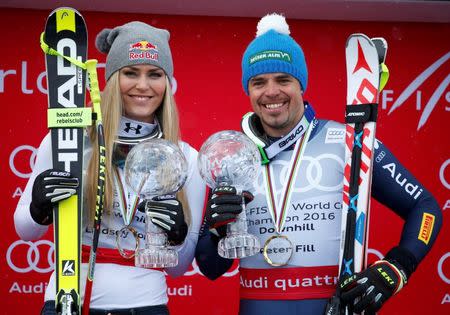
{"x": 414, "y": 122}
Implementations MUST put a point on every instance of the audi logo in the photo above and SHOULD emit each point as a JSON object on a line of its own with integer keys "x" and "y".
{"x": 13, "y": 163}
{"x": 375, "y": 252}
{"x": 440, "y": 268}
{"x": 174, "y": 85}
{"x": 23, "y": 257}
{"x": 315, "y": 174}
{"x": 335, "y": 132}
{"x": 442, "y": 175}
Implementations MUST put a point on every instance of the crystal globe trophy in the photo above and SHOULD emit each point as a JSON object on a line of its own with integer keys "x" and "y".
{"x": 230, "y": 158}
{"x": 155, "y": 167}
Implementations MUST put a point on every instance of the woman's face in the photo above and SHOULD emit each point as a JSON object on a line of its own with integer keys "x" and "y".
{"x": 142, "y": 88}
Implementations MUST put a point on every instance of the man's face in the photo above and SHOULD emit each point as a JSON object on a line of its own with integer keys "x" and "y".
{"x": 277, "y": 100}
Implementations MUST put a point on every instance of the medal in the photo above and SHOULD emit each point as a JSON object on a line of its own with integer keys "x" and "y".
{"x": 127, "y": 253}
{"x": 278, "y": 250}
{"x": 127, "y": 215}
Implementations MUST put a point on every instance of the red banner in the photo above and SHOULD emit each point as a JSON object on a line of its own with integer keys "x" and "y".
{"x": 413, "y": 122}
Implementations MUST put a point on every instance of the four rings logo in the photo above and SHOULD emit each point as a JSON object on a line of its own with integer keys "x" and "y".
{"x": 314, "y": 168}
{"x": 23, "y": 257}
{"x": 335, "y": 135}
{"x": 445, "y": 182}
{"x": 18, "y": 160}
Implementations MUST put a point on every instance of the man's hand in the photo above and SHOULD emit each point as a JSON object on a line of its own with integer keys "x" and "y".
{"x": 223, "y": 207}
{"x": 373, "y": 286}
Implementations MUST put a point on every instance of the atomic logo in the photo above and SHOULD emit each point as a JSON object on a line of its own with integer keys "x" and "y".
{"x": 421, "y": 78}
{"x": 362, "y": 63}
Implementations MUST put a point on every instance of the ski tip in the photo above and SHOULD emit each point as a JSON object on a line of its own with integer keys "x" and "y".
{"x": 358, "y": 36}
{"x": 381, "y": 46}
{"x": 65, "y": 9}
{"x": 380, "y": 40}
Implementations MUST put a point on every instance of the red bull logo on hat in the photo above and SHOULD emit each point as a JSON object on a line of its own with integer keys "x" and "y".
{"x": 143, "y": 50}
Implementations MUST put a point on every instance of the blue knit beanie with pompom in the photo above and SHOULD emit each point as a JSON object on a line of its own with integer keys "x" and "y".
{"x": 272, "y": 51}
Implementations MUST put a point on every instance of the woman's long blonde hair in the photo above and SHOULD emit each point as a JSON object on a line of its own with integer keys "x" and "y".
{"x": 111, "y": 106}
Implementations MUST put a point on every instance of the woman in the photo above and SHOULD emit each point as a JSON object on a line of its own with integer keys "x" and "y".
{"x": 137, "y": 104}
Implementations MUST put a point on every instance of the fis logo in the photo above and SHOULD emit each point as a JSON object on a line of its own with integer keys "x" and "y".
{"x": 68, "y": 267}
{"x": 435, "y": 97}
{"x": 426, "y": 228}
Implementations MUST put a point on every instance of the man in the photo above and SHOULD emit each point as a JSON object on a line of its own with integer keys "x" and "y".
{"x": 297, "y": 205}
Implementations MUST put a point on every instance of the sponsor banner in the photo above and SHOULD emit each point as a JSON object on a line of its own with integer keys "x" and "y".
{"x": 413, "y": 121}
{"x": 288, "y": 283}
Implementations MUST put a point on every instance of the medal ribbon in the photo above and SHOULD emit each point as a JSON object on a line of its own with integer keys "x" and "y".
{"x": 295, "y": 134}
{"x": 278, "y": 210}
{"x": 125, "y": 209}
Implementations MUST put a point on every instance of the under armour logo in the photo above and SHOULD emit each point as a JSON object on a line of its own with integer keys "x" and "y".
{"x": 68, "y": 267}
{"x": 136, "y": 129}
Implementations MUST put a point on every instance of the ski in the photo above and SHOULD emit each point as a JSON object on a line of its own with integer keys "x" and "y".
{"x": 382, "y": 46}
{"x": 364, "y": 63}
{"x": 65, "y": 35}
{"x": 362, "y": 96}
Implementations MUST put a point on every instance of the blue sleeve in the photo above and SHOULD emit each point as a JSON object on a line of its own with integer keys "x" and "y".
{"x": 208, "y": 260}
{"x": 395, "y": 187}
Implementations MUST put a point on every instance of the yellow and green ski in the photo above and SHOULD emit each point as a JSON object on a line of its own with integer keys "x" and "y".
{"x": 64, "y": 41}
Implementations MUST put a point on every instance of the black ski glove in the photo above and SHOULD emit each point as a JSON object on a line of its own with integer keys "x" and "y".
{"x": 373, "y": 286}
{"x": 50, "y": 187}
{"x": 223, "y": 207}
{"x": 167, "y": 213}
